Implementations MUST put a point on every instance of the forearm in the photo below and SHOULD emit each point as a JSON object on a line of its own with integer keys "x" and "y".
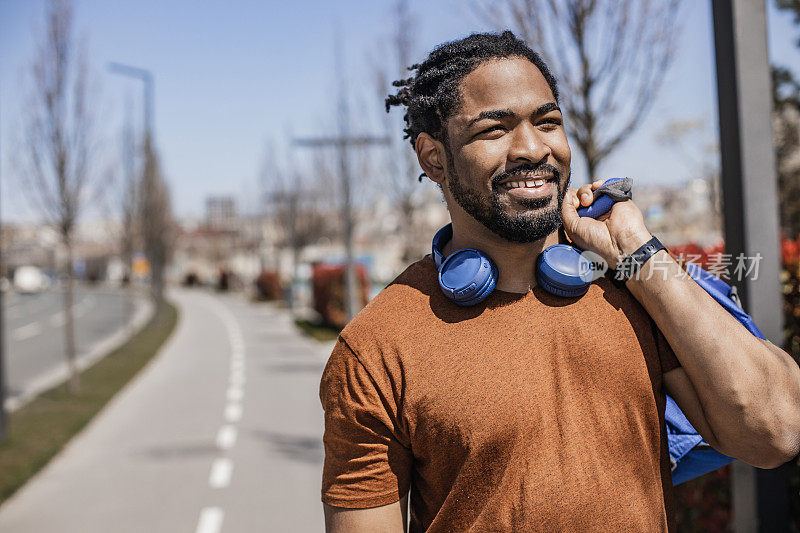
{"x": 749, "y": 390}
{"x": 390, "y": 518}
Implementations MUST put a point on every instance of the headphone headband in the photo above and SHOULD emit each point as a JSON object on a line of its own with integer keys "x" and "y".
{"x": 442, "y": 237}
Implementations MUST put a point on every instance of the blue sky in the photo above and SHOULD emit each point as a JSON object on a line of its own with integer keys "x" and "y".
{"x": 231, "y": 75}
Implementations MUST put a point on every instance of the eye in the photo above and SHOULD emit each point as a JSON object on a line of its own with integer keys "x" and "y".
{"x": 550, "y": 123}
{"x": 490, "y": 129}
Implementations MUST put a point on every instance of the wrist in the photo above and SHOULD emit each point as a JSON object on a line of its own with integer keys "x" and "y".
{"x": 630, "y": 241}
{"x": 630, "y": 265}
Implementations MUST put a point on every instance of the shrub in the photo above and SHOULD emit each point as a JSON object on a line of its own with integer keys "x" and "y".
{"x": 329, "y": 292}
{"x": 268, "y": 285}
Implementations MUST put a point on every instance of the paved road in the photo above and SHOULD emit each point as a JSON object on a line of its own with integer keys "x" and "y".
{"x": 221, "y": 432}
{"x": 34, "y": 327}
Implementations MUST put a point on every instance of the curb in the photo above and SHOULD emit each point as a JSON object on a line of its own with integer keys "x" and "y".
{"x": 57, "y": 375}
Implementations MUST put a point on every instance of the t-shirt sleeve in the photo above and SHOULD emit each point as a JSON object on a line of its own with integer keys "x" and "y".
{"x": 669, "y": 361}
{"x": 366, "y": 465}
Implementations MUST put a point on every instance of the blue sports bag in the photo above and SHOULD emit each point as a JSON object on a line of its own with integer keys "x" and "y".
{"x": 689, "y": 454}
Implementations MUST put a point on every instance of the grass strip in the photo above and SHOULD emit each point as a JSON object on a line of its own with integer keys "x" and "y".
{"x": 320, "y": 332}
{"x": 40, "y": 429}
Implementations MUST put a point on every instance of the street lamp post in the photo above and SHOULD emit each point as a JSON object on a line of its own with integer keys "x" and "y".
{"x": 3, "y": 420}
{"x": 147, "y": 79}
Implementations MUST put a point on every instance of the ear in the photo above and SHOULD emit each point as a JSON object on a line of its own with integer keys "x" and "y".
{"x": 431, "y": 157}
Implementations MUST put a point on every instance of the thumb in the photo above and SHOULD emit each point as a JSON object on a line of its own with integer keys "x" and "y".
{"x": 569, "y": 211}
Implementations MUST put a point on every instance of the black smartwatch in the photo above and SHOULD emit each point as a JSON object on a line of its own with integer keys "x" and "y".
{"x": 629, "y": 266}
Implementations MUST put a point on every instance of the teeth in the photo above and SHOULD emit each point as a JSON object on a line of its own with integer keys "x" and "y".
{"x": 529, "y": 184}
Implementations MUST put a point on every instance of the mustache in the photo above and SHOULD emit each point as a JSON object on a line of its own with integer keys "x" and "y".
{"x": 527, "y": 168}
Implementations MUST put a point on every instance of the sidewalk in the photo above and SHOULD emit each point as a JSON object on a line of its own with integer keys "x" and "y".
{"x": 221, "y": 432}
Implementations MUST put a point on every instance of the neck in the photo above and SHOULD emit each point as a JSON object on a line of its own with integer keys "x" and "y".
{"x": 516, "y": 262}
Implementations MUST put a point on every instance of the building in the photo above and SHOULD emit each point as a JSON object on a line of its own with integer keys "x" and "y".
{"x": 221, "y": 212}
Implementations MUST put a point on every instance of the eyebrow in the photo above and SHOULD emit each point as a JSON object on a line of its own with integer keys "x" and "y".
{"x": 498, "y": 114}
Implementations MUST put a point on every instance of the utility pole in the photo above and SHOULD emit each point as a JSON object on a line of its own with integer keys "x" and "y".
{"x": 343, "y": 142}
{"x": 750, "y": 199}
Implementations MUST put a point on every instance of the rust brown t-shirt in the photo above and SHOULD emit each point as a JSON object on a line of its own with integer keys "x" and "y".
{"x": 523, "y": 413}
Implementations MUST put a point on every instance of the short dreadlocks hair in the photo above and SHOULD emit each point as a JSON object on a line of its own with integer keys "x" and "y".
{"x": 432, "y": 95}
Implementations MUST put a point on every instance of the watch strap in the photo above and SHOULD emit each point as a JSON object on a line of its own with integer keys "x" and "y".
{"x": 629, "y": 266}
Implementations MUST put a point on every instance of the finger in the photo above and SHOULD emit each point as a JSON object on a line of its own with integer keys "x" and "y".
{"x": 585, "y": 195}
{"x": 571, "y": 197}
{"x": 569, "y": 212}
{"x": 596, "y": 184}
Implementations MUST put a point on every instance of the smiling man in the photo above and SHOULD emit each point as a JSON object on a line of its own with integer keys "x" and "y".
{"x": 528, "y": 411}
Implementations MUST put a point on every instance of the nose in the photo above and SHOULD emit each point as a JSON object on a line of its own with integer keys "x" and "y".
{"x": 527, "y": 145}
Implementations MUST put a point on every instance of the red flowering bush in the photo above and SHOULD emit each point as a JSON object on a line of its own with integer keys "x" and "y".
{"x": 268, "y": 286}
{"x": 329, "y": 292}
{"x": 704, "y": 504}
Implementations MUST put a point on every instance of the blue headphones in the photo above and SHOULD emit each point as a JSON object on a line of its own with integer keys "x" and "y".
{"x": 468, "y": 276}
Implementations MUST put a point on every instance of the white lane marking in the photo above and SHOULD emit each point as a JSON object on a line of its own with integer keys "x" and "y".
{"x": 210, "y": 520}
{"x": 78, "y": 310}
{"x": 26, "y": 332}
{"x": 226, "y": 437}
{"x": 233, "y": 412}
{"x": 221, "y": 472}
{"x": 58, "y": 319}
{"x": 237, "y": 379}
{"x": 235, "y": 394}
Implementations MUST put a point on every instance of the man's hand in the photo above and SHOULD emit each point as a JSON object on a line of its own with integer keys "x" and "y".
{"x": 616, "y": 234}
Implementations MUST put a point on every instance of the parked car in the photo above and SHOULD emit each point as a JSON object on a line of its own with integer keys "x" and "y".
{"x": 29, "y": 280}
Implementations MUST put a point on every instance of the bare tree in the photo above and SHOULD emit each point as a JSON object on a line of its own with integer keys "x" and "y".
{"x": 610, "y": 57}
{"x": 57, "y": 155}
{"x": 157, "y": 223}
{"x": 295, "y": 208}
{"x": 128, "y": 210}
{"x": 700, "y": 161}
{"x": 128, "y": 195}
{"x": 402, "y": 169}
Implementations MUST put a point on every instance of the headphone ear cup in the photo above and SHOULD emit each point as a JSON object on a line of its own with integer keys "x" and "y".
{"x": 562, "y": 271}
{"x": 467, "y": 277}
{"x": 557, "y": 291}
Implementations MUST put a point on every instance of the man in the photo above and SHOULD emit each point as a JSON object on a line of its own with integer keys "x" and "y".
{"x": 530, "y": 412}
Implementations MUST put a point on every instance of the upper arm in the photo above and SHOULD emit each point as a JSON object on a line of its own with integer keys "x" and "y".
{"x": 682, "y": 391}
{"x": 368, "y": 459}
{"x": 392, "y": 518}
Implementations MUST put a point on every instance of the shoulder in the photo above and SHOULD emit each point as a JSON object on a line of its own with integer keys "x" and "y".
{"x": 366, "y": 366}
{"x": 404, "y": 305}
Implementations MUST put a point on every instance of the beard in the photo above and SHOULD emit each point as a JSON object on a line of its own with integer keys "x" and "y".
{"x": 536, "y": 222}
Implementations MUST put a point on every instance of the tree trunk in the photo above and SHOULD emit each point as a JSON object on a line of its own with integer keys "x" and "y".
{"x": 130, "y": 292}
{"x": 69, "y": 322}
{"x": 410, "y": 237}
{"x": 157, "y": 273}
{"x": 591, "y": 169}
